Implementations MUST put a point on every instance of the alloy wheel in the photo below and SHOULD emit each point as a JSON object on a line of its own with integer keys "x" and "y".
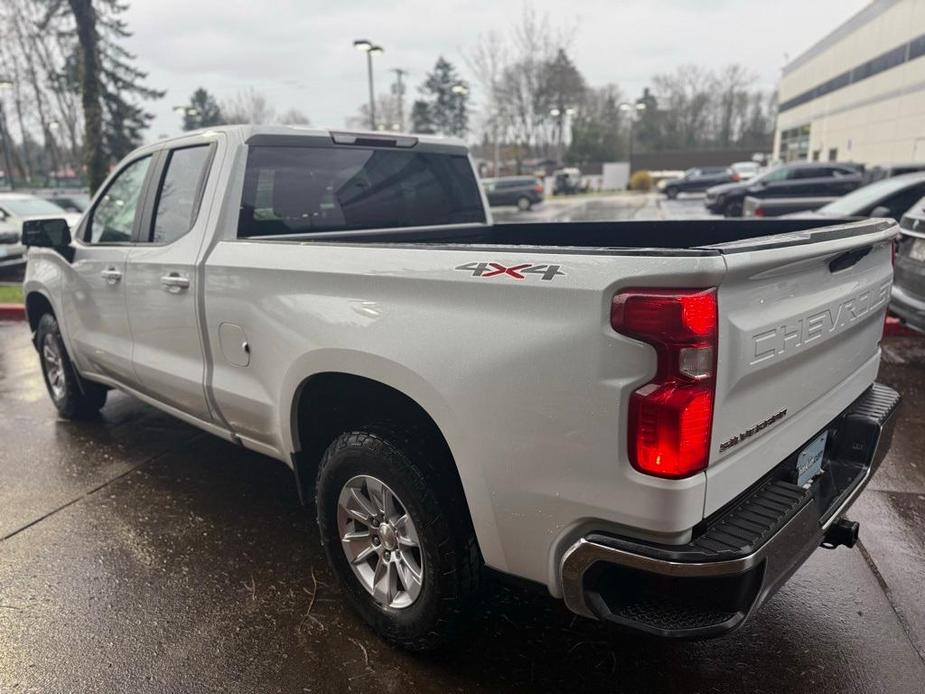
{"x": 380, "y": 541}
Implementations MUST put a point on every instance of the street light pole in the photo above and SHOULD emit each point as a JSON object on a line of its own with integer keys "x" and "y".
{"x": 368, "y": 47}
{"x": 7, "y": 162}
{"x": 634, "y": 110}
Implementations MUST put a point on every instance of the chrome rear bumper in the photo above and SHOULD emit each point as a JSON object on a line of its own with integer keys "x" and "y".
{"x": 742, "y": 554}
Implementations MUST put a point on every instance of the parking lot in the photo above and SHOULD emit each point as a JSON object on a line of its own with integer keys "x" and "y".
{"x": 138, "y": 554}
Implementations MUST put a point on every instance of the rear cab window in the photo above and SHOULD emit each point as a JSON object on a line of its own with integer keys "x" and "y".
{"x": 305, "y": 189}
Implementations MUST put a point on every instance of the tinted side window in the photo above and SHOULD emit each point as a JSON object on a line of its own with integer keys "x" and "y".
{"x": 813, "y": 172}
{"x": 292, "y": 190}
{"x": 114, "y": 215}
{"x": 178, "y": 197}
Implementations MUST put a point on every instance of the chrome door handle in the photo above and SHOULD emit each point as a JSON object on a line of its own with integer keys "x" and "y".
{"x": 175, "y": 282}
{"x": 111, "y": 275}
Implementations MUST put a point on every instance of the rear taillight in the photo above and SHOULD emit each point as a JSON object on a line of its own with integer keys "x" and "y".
{"x": 670, "y": 418}
{"x": 538, "y": 188}
{"x": 759, "y": 212}
{"x": 736, "y": 178}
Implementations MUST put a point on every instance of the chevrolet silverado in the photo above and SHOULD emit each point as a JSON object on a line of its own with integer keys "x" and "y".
{"x": 657, "y": 421}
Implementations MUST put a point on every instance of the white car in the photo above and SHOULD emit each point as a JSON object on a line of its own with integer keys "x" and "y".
{"x": 16, "y": 208}
{"x": 657, "y": 421}
{"x": 746, "y": 169}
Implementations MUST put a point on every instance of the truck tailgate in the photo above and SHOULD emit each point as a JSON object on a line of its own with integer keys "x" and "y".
{"x": 800, "y": 321}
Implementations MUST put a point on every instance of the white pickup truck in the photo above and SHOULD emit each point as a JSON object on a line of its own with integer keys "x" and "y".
{"x": 657, "y": 421}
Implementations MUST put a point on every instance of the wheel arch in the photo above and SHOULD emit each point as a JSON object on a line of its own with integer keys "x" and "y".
{"x": 325, "y": 401}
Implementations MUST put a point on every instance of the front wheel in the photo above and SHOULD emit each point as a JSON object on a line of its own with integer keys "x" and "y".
{"x": 671, "y": 192}
{"x": 73, "y": 397}
{"x": 394, "y": 534}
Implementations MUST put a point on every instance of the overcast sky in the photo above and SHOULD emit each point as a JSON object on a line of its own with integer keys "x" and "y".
{"x": 299, "y": 52}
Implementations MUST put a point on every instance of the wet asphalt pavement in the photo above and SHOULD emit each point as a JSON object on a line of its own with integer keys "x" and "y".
{"x": 140, "y": 555}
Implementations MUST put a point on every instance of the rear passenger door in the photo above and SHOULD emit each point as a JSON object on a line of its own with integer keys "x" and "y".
{"x": 162, "y": 283}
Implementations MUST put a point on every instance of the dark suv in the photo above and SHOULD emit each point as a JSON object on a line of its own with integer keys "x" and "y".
{"x": 805, "y": 179}
{"x": 699, "y": 179}
{"x": 523, "y": 191}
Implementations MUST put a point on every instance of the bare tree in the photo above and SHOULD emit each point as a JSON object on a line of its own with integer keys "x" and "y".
{"x": 685, "y": 96}
{"x": 487, "y": 61}
{"x": 732, "y": 100}
{"x": 248, "y": 106}
{"x": 294, "y": 117}
{"x": 387, "y": 113}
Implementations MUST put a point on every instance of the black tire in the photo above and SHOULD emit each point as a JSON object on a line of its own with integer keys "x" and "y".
{"x": 733, "y": 208}
{"x": 671, "y": 192}
{"x": 406, "y": 462}
{"x": 73, "y": 396}
{"x": 524, "y": 203}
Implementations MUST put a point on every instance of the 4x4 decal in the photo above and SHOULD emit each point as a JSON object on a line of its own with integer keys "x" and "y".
{"x": 517, "y": 272}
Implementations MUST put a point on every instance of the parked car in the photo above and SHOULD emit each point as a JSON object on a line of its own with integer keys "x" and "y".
{"x": 523, "y": 191}
{"x": 888, "y": 197}
{"x": 657, "y": 421}
{"x": 779, "y": 207}
{"x": 816, "y": 179}
{"x": 568, "y": 182}
{"x": 746, "y": 169}
{"x": 74, "y": 202}
{"x": 699, "y": 179}
{"x": 15, "y": 208}
{"x": 908, "y": 295}
{"x": 881, "y": 171}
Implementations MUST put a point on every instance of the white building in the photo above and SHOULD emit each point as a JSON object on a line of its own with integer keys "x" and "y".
{"x": 859, "y": 93}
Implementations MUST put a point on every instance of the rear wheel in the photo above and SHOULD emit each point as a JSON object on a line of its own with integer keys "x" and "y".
{"x": 74, "y": 397}
{"x": 671, "y": 192}
{"x": 396, "y": 535}
{"x": 524, "y": 204}
{"x": 733, "y": 208}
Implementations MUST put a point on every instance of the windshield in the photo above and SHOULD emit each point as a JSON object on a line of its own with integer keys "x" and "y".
{"x": 27, "y": 207}
{"x": 857, "y": 201}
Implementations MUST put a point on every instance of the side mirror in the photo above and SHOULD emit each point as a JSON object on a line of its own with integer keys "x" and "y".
{"x": 47, "y": 233}
{"x": 881, "y": 211}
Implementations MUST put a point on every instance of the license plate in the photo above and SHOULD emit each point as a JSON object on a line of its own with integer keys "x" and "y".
{"x": 917, "y": 252}
{"x": 809, "y": 462}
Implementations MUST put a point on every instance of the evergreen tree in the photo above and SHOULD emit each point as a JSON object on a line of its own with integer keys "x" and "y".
{"x": 110, "y": 85}
{"x": 597, "y": 134}
{"x": 445, "y": 96}
{"x": 203, "y": 111}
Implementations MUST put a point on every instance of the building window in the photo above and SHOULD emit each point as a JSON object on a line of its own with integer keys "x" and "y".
{"x": 794, "y": 144}
{"x": 833, "y": 154}
{"x": 817, "y": 154}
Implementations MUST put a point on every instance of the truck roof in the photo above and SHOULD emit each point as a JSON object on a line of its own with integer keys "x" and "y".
{"x": 247, "y": 132}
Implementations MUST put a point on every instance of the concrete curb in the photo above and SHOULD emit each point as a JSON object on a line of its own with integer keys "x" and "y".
{"x": 12, "y": 312}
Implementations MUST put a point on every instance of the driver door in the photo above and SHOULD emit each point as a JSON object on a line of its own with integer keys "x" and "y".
{"x": 94, "y": 305}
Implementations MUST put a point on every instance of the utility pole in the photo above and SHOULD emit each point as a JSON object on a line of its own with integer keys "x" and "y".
{"x": 400, "y": 95}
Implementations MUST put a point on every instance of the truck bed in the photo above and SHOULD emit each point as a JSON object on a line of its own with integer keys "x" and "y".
{"x": 694, "y": 237}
